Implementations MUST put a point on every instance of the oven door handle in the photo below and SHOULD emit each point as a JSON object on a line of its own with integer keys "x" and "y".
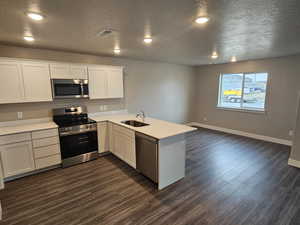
{"x": 69, "y": 133}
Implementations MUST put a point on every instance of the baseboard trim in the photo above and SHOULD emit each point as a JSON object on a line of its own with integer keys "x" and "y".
{"x": 293, "y": 162}
{"x": 15, "y": 177}
{"x": 242, "y": 133}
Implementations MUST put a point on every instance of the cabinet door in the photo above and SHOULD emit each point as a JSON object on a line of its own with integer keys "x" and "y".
{"x": 97, "y": 82}
{"x": 1, "y": 177}
{"x": 17, "y": 158}
{"x": 124, "y": 145}
{"x": 110, "y": 136}
{"x": 60, "y": 71}
{"x": 103, "y": 137}
{"x": 11, "y": 83}
{"x": 115, "y": 83}
{"x": 78, "y": 71}
{"x": 130, "y": 154}
{"x": 37, "y": 84}
{"x": 119, "y": 145}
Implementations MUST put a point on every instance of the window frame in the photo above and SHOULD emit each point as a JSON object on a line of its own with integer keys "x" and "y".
{"x": 243, "y": 109}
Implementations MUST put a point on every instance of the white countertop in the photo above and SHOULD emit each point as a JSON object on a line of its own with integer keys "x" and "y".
{"x": 25, "y": 126}
{"x": 158, "y": 129}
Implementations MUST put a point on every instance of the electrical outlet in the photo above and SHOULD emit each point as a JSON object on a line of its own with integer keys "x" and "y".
{"x": 291, "y": 133}
{"x": 105, "y": 107}
{"x": 20, "y": 115}
{"x": 204, "y": 119}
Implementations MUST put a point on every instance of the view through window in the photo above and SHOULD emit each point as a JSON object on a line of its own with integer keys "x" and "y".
{"x": 243, "y": 91}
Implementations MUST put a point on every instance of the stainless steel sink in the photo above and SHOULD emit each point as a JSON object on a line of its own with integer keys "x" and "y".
{"x": 134, "y": 123}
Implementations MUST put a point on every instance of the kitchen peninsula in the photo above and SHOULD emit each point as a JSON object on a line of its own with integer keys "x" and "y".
{"x": 132, "y": 144}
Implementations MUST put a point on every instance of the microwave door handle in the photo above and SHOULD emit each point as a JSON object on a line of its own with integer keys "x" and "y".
{"x": 82, "y": 90}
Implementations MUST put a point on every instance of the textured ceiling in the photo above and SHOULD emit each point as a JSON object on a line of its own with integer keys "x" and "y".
{"x": 247, "y": 29}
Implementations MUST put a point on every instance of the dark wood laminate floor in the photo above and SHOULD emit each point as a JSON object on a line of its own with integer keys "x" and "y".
{"x": 230, "y": 180}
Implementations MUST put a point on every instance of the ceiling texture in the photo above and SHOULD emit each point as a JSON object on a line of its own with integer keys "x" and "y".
{"x": 247, "y": 29}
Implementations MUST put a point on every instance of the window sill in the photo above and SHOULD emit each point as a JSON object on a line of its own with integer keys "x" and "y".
{"x": 245, "y": 110}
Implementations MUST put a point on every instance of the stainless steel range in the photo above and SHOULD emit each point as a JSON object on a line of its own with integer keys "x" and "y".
{"x": 77, "y": 134}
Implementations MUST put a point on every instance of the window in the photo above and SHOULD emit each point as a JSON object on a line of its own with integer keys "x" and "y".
{"x": 243, "y": 91}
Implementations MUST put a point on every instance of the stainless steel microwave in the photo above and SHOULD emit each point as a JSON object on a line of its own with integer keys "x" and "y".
{"x": 70, "y": 88}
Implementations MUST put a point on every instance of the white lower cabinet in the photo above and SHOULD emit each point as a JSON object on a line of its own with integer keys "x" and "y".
{"x": 25, "y": 152}
{"x": 123, "y": 144}
{"x": 17, "y": 158}
{"x": 47, "y": 161}
{"x": 46, "y": 148}
{"x": 103, "y": 137}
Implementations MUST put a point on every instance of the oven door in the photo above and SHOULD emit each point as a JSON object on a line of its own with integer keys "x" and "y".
{"x": 77, "y": 144}
{"x": 67, "y": 88}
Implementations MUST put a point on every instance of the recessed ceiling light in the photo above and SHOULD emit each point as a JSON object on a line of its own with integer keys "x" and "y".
{"x": 202, "y": 20}
{"x": 35, "y": 16}
{"x": 117, "y": 51}
{"x": 214, "y": 55}
{"x": 28, "y": 38}
{"x": 148, "y": 40}
{"x": 233, "y": 59}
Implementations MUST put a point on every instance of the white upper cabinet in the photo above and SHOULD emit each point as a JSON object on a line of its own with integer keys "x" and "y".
{"x": 79, "y": 71}
{"x": 30, "y": 81}
{"x": 11, "y": 83}
{"x": 68, "y": 71}
{"x": 37, "y": 84}
{"x": 105, "y": 82}
{"x": 22, "y": 81}
{"x": 60, "y": 71}
{"x": 97, "y": 83}
{"x": 115, "y": 83}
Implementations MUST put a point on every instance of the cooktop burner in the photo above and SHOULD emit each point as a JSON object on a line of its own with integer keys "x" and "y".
{"x": 72, "y": 116}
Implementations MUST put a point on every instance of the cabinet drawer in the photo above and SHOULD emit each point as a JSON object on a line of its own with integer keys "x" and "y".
{"x": 45, "y": 142}
{"x": 13, "y": 138}
{"x": 46, "y": 151}
{"x": 47, "y": 161}
{"x": 44, "y": 133}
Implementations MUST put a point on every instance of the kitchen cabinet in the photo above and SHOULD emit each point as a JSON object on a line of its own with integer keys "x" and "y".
{"x": 46, "y": 148}
{"x": 24, "y": 152}
{"x": 37, "y": 84}
{"x": 11, "y": 82}
{"x": 1, "y": 178}
{"x": 24, "y": 82}
{"x": 103, "y": 137}
{"x": 68, "y": 71}
{"x": 17, "y": 158}
{"x": 115, "y": 83}
{"x": 97, "y": 82}
{"x": 105, "y": 82}
{"x": 79, "y": 71}
{"x": 124, "y": 144}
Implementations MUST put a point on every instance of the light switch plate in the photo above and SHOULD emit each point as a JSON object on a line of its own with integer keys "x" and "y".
{"x": 291, "y": 133}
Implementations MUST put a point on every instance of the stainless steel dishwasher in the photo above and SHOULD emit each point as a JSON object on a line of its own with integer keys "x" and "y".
{"x": 147, "y": 156}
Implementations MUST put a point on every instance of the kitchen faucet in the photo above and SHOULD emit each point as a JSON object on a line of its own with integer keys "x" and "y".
{"x": 141, "y": 115}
